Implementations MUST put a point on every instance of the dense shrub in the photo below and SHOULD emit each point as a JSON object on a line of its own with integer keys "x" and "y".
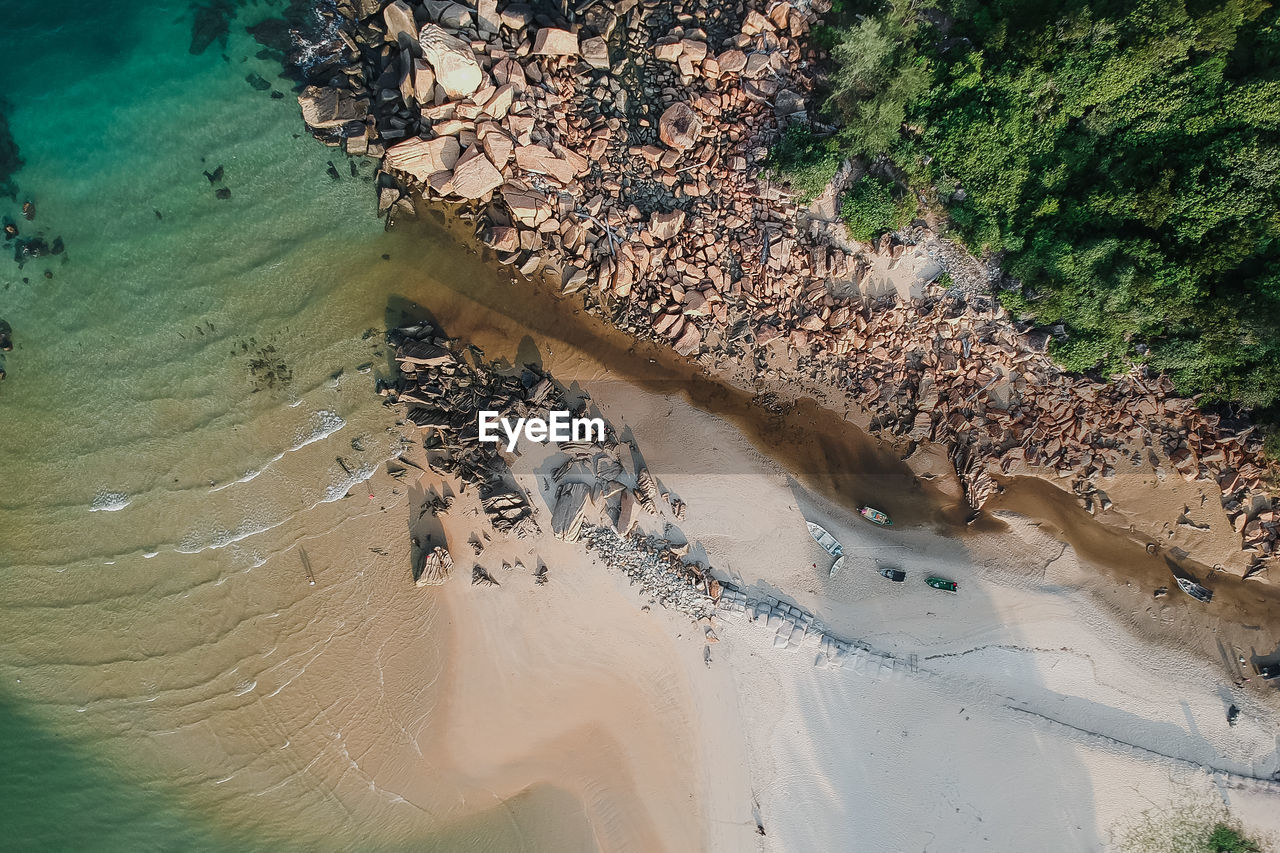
{"x": 870, "y": 209}
{"x": 1125, "y": 158}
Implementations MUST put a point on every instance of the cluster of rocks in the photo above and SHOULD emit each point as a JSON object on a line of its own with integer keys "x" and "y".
{"x": 443, "y": 393}
{"x": 658, "y": 568}
{"x": 620, "y": 151}
{"x": 939, "y": 370}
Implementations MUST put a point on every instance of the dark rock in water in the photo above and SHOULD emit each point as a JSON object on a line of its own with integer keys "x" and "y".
{"x": 158, "y": 214}
{"x": 6, "y": 336}
{"x": 215, "y": 176}
{"x": 28, "y": 210}
{"x": 223, "y": 194}
{"x": 277, "y": 96}
{"x": 10, "y": 231}
{"x": 10, "y": 162}
{"x": 212, "y": 23}
{"x": 333, "y": 171}
{"x": 30, "y": 249}
{"x": 355, "y": 173}
{"x": 58, "y": 246}
{"x": 273, "y": 34}
{"x": 257, "y": 81}
{"x": 48, "y": 273}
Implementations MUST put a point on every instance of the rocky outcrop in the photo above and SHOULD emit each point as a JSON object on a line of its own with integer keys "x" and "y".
{"x": 455, "y": 66}
{"x": 324, "y": 108}
{"x": 622, "y": 156}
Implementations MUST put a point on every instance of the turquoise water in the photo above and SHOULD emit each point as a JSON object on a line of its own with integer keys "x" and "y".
{"x": 187, "y": 408}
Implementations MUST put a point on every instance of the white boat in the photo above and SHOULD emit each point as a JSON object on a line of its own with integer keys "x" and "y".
{"x": 1194, "y": 589}
{"x": 826, "y": 540}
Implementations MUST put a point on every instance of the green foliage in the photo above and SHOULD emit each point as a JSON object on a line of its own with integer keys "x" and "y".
{"x": 869, "y": 209}
{"x": 1124, "y": 157}
{"x": 1192, "y": 826}
{"x": 879, "y": 75}
{"x": 1226, "y": 839}
{"x": 806, "y": 161}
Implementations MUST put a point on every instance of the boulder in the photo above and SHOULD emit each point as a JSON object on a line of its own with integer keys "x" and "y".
{"x": 423, "y": 158}
{"x": 596, "y": 52}
{"x": 665, "y": 226}
{"x": 450, "y": 15}
{"x": 487, "y": 19}
{"x": 788, "y": 103}
{"x": 476, "y": 178}
{"x": 498, "y": 147}
{"x": 516, "y": 17}
{"x": 424, "y": 82}
{"x": 323, "y": 107}
{"x": 499, "y": 104}
{"x": 679, "y": 127}
{"x": 452, "y": 60}
{"x": 504, "y": 238}
{"x": 668, "y": 51}
{"x": 528, "y": 206}
{"x": 553, "y": 42}
{"x": 535, "y": 158}
{"x": 509, "y": 71}
{"x": 731, "y": 61}
{"x": 690, "y": 340}
{"x": 399, "y": 19}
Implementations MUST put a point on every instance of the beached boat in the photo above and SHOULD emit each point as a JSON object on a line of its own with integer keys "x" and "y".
{"x": 829, "y": 544}
{"x": 942, "y": 584}
{"x": 826, "y": 540}
{"x": 875, "y": 516}
{"x": 1194, "y": 590}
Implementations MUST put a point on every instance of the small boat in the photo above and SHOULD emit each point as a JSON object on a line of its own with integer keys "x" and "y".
{"x": 895, "y": 575}
{"x": 875, "y": 516}
{"x": 942, "y": 584}
{"x": 826, "y": 540}
{"x": 1194, "y": 590}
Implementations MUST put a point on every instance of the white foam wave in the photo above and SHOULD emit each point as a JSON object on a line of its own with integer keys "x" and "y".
{"x": 109, "y": 501}
{"x": 338, "y": 490}
{"x": 319, "y": 426}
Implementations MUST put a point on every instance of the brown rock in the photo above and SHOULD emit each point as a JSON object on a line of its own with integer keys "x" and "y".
{"x": 665, "y": 226}
{"x": 535, "y": 158}
{"x": 455, "y": 66}
{"x": 679, "y": 127}
{"x": 731, "y": 61}
{"x": 668, "y": 51}
{"x": 423, "y": 158}
{"x": 553, "y": 42}
{"x": 476, "y": 177}
{"x": 424, "y": 82}
{"x": 399, "y": 20}
{"x": 689, "y": 341}
{"x": 498, "y": 147}
{"x": 595, "y": 51}
{"x": 324, "y": 107}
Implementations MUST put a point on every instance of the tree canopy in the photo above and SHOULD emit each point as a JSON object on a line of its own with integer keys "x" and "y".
{"x": 1124, "y": 157}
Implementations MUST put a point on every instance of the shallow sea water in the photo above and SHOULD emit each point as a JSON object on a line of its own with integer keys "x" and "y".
{"x": 185, "y": 414}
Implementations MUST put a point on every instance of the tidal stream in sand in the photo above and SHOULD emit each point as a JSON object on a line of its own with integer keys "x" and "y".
{"x": 189, "y": 410}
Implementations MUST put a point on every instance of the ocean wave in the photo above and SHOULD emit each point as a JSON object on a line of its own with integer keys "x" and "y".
{"x": 109, "y": 501}
{"x": 338, "y": 490}
{"x": 320, "y": 426}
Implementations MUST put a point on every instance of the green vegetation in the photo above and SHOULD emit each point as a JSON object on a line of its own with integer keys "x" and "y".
{"x": 1124, "y": 158}
{"x": 1193, "y": 826}
{"x": 808, "y": 161}
{"x": 870, "y": 209}
{"x": 1226, "y": 839}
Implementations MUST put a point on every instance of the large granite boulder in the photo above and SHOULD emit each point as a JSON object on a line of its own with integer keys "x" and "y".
{"x": 399, "y": 20}
{"x": 323, "y": 107}
{"x": 423, "y": 158}
{"x": 553, "y": 42}
{"x": 476, "y": 177}
{"x": 457, "y": 71}
{"x": 679, "y": 126}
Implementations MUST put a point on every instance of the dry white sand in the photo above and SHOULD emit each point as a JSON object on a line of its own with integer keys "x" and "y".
{"x": 1030, "y": 719}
